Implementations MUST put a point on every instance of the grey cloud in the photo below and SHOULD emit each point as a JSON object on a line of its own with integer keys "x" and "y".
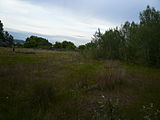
{"x": 116, "y": 11}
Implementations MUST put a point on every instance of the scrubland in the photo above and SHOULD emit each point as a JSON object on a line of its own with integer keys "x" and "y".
{"x": 52, "y": 85}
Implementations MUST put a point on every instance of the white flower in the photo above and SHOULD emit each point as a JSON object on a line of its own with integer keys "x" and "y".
{"x": 103, "y": 96}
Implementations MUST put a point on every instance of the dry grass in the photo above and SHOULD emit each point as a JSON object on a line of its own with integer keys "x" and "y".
{"x": 51, "y": 85}
{"x": 112, "y": 75}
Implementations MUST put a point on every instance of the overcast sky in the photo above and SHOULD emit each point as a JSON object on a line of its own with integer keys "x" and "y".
{"x": 74, "y": 20}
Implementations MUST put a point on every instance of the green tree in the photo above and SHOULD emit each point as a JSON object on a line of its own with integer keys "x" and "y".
{"x": 1, "y": 34}
{"x": 81, "y": 47}
{"x": 150, "y": 34}
{"x": 1, "y": 30}
{"x": 136, "y": 43}
{"x": 6, "y": 40}
{"x": 57, "y": 45}
{"x": 68, "y": 45}
{"x": 37, "y": 42}
{"x": 65, "y": 45}
{"x": 130, "y": 42}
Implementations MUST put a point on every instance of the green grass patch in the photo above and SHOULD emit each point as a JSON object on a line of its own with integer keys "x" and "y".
{"x": 41, "y": 84}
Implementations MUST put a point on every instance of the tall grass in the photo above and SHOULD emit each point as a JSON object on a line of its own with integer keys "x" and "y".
{"x": 112, "y": 75}
{"x": 51, "y": 85}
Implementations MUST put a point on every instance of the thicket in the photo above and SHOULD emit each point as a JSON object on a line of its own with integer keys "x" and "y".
{"x": 65, "y": 45}
{"x": 132, "y": 42}
{"x": 37, "y": 42}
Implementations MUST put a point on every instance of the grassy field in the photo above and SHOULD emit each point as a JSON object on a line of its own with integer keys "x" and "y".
{"x": 52, "y": 85}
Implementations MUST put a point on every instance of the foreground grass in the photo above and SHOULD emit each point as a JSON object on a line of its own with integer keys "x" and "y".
{"x": 49, "y": 85}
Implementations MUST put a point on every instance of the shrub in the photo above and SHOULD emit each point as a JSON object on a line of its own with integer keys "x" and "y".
{"x": 150, "y": 112}
{"x": 108, "y": 110}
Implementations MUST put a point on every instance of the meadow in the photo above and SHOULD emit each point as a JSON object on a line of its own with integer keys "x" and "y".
{"x": 56, "y": 85}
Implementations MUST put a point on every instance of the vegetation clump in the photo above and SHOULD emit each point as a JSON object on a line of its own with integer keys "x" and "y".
{"x": 132, "y": 42}
{"x": 65, "y": 45}
{"x": 37, "y": 42}
{"x": 150, "y": 112}
{"x": 6, "y": 40}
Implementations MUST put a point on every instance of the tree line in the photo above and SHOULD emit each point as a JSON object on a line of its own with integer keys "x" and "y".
{"x": 7, "y": 40}
{"x": 39, "y": 42}
{"x": 132, "y": 42}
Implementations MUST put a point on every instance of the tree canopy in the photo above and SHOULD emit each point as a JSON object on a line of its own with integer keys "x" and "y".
{"x": 132, "y": 42}
{"x": 65, "y": 45}
{"x": 6, "y": 40}
{"x": 37, "y": 42}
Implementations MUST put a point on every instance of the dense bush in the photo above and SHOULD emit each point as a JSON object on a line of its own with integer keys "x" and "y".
{"x": 65, "y": 45}
{"x": 150, "y": 112}
{"x": 37, "y": 42}
{"x": 132, "y": 42}
{"x": 108, "y": 110}
{"x": 6, "y": 40}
